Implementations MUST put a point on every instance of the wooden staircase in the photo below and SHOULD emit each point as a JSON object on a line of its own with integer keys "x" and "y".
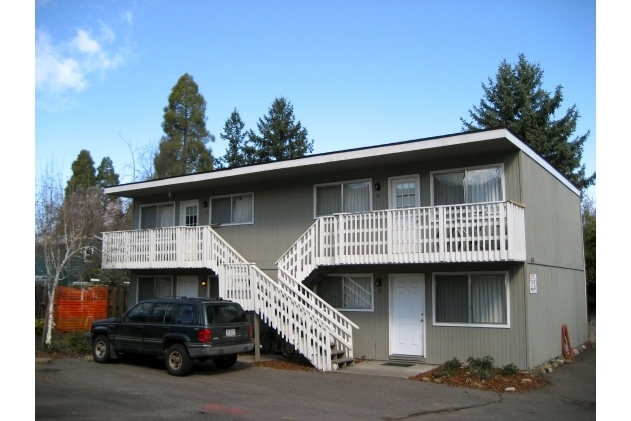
{"x": 339, "y": 359}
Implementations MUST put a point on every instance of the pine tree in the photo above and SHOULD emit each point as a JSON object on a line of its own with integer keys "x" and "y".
{"x": 234, "y": 134}
{"x": 105, "y": 174}
{"x": 182, "y": 149}
{"x": 516, "y": 100}
{"x": 83, "y": 172}
{"x": 280, "y": 137}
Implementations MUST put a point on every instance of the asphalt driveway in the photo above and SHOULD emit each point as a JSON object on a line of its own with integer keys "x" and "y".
{"x": 140, "y": 389}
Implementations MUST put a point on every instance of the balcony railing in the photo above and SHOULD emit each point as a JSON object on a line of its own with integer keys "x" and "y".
{"x": 461, "y": 233}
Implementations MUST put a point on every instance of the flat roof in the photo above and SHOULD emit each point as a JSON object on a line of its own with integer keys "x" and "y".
{"x": 497, "y": 139}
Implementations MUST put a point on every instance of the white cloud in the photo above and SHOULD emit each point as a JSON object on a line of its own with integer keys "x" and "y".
{"x": 128, "y": 17}
{"x": 69, "y": 65}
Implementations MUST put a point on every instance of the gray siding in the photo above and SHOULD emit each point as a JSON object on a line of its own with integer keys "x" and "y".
{"x": 283, "y": 209}
{"x": 505, "y": 345}
{"x": 554, "y": 242}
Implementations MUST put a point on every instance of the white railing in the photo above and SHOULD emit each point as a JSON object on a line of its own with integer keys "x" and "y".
{"x": 298, "y": 315}
{"x": 460, "y": 233}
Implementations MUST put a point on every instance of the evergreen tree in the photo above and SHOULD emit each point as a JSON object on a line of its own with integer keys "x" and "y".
{"x": 234, "y": 134}
{"x": 589, "y": 240}
{"x": 182, "y": 149}
{"x": 83, "y": 172}
{"x": 280, "y": 137}
{"x": 516, "y": 100}
{"x": 105, "y": 174}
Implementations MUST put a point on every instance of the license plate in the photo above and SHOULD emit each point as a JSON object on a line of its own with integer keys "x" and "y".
{"x": 231, "y": 332}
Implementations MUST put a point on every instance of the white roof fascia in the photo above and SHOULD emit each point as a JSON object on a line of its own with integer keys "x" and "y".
{"x": 344, "y": 156}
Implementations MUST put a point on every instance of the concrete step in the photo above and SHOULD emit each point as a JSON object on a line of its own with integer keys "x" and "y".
{"x": 342, "y": 362}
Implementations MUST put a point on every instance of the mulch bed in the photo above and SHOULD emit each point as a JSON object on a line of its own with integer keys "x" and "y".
{"x": 296, "y": 363}
{"x": 522, "y": 382}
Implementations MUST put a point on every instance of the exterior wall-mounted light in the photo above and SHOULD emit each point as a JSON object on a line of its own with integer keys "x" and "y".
{"x": 377, "y": 186}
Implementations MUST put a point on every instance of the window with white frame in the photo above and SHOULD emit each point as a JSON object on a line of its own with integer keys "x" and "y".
{"x": 347, "y": 292}
{"x": 479, "y": 299}
{"x": 189, "y": 211}
{"x": 234, "y": 209}
{"x": 353, "y": 196}
{"x": 158, "y": 215}
{"x": 475, "y": 185}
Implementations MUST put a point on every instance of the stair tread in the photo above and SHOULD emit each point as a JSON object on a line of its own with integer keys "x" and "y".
{"x": 342, "y": 360}
{"x": 335, "y": 352}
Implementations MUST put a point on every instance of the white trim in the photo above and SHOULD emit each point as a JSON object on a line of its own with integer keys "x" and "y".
{"x": 372, "y": 290}
{"x": 210, "y": 208}
{"x": 391, "y": 180}
{"x": 156, "y": 204}
{"x": 391, "y": 308}
{"x": 474, "y": 325}
{"x": 340, "y": 183}
{"x": 476, "y": 167}
{"x": 183, "y": 205}
{"x": 421, "y": 144}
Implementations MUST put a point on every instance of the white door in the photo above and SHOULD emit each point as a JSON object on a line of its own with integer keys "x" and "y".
{"x": 187, "y": 286}
{"x": 404, "y": 194}
{"x": 408, "y": 315}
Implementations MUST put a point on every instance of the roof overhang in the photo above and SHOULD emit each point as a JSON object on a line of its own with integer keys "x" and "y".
{"x": 427, "y": 148}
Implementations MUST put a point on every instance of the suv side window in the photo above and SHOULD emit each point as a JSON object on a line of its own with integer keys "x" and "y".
{"x": 225, "y": 313}
{"x": 138, "y": 314}
{"x": 161, "y": 313}
{"x": 187, "y": 314}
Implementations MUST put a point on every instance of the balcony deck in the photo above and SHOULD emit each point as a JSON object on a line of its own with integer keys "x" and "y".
{"x": 461, "y": 233}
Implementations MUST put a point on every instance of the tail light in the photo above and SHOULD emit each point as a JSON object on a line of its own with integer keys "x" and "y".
{"x": 204, "y": 335}
{"x": 251, "y": 329}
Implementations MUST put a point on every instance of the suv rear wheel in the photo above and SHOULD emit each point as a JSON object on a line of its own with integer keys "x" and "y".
{"x": 101, "y": 349}
{"x": 178, "y": 361}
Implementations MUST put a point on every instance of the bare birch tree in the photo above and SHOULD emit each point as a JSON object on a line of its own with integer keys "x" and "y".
{"x": 66, "y": 226}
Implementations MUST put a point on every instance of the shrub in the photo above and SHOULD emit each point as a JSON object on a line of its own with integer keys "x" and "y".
{"x": 39, "y": 327}
{"x": 448, "y": 368}
{"x": 71, "y": 343}
{"x": 509, "y": 370}
{"x": 482, "y": 368}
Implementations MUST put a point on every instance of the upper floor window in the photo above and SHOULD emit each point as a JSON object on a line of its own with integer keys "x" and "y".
{"x": 189, "y": 213}
{"x": 235, "y": 209}
{"x": 157, "y": 215}
{"x": 475, "y": 185}
{"x": 353, "y": 196}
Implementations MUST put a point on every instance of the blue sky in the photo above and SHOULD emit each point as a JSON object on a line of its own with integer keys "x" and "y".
{"x": 358, "y": 73}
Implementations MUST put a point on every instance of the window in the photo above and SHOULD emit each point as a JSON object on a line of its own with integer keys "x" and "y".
{"x": 155, "y": 286}
{"x": 404, "y": 192}
{"x": 161, "y": 313}
{"x": 471, "y": 299}
{"x": 345, "y": 197}
{"x": 225, "y": 313}
{"x": 138, "y": 314}
{"x": 347, "y": 292}
{"x": 187, "y": 314}
{"x": 236, "y": 209}
{"x": 468, "y": 186}
{"x": 157, "y": 216}
{"x": 189, "y": 213}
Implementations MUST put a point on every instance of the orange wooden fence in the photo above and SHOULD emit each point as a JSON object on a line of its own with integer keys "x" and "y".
{"x": 76, "y": 309}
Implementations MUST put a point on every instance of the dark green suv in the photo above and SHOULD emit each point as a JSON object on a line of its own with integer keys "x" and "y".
{"x": 180, "y": 329}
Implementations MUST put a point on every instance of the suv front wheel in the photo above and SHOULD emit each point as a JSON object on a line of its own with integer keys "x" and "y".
{"x": 178, "y": 361}
{"x": 101, "y": 349}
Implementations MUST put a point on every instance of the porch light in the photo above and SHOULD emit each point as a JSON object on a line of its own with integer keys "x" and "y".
{"x": 377, "y": 186}
{"x": 205, "y": 203}
{"x": 378, "y": 282}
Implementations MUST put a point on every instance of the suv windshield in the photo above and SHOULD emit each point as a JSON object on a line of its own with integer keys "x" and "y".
{"x": 225, "y": 313}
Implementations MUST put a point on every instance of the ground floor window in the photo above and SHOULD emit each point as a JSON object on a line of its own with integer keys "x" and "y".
{"x": 155, "y": 287}
{"x": 347, "y": 292}
{"x": 471, "y": 299}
